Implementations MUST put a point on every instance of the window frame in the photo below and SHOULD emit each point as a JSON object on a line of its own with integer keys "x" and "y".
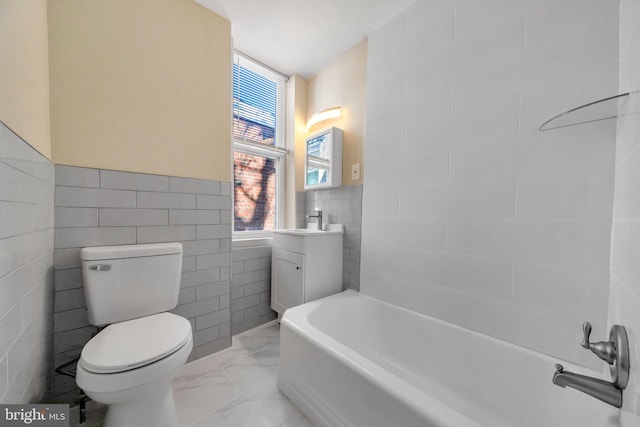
{"x": 277, "y": 152}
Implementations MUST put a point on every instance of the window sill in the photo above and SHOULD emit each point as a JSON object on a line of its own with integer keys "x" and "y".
{"x": 248, "y": 242}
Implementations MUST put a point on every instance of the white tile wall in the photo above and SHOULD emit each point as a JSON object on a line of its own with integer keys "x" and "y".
{"x": 580, "y": 244}
{"x": 420, "y": 168}
{"x": 624, "y": 298}
{"x": 491, "y": 121}
{"x": 26, "y": 270}
{"x": 342, "y": 205}
{"x": 469, "y": 213}
{"x": 580, "y": 195}
{"x": 475, "y": 199}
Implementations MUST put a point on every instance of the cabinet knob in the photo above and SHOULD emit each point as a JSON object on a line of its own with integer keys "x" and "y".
{"x": 298, "y": 267}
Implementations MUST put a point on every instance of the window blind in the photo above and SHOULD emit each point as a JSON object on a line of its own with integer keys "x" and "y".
{"x": 258, "y": 103}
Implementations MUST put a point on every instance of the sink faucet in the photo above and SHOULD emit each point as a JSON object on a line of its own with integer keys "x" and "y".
{"x": 616, "y": 353}
{"x": 319, "y": 216}
{"x": 600, "y": 389}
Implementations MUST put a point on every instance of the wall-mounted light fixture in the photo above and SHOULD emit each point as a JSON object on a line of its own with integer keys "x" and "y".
{"x": 324, "y": 115}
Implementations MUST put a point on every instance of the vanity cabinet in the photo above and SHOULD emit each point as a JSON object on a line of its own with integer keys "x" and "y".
{"x": 305, "y": 265}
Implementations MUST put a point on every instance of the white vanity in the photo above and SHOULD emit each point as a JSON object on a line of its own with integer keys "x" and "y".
{"x": 306, "y": 265}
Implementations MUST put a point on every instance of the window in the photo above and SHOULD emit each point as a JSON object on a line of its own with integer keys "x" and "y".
{"x": 258, "y": 142}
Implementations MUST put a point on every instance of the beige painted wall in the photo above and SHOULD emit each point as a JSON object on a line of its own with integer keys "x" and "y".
{"x": 24, "y": 71}
{"x": 342, "y": 83}
{"x": 296, "y": 134}
{"x": 142, "y": 86}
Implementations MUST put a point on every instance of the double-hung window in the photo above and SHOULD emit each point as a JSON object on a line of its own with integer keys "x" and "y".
{"x": 258, "y": 148}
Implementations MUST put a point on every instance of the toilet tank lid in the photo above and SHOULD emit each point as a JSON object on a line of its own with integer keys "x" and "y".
{"x": 129, "y": 251}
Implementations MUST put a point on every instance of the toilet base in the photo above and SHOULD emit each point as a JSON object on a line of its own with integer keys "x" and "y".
{"x": 155, "y": 410}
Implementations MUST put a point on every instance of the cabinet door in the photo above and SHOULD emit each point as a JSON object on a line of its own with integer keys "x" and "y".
{"x": 288, "y": 278}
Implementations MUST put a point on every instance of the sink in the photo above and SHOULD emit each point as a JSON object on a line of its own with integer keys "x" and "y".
{"x": 305, "y": 231}
{"x": 331, "y": 229}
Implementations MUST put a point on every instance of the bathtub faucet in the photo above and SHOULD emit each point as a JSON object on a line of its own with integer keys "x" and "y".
{"x": 616, "y": 353}
{"x": 319, "y": 216}
{"x": 600, "y": 389}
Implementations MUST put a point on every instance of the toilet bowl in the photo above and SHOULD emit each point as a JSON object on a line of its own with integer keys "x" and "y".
{"x": 130, "y": 364}
{"x": 132, "y": 372}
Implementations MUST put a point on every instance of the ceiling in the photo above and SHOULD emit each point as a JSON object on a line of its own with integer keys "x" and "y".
{"x": 302, "y": 36}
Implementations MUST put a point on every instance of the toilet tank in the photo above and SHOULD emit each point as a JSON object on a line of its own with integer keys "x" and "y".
{"x": 130, "y": 281}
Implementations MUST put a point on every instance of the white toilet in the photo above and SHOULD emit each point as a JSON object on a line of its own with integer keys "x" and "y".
{"x": 131, "y": 363}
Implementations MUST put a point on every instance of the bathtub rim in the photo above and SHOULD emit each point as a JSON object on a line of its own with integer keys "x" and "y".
{"x": 297, "y": 318}
{"x": 461, "y": 329}
{"x": 439, "y": 413}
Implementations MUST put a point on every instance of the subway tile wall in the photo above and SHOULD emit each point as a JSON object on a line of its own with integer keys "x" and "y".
{"x": 470, "y": 214}
{"x": 624, "y": 299}
{"x": 251, "y": 269}
{"x": 102, "y": 207}
{"x": 26, "y": 270}
{"x": 341, "y": 205}
{"x": 251, "y": 288}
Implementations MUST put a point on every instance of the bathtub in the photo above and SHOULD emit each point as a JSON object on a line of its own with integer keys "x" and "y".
{"x": 352, "y": 360}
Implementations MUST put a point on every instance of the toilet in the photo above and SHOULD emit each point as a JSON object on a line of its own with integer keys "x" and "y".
{"x": 130, "y": 364}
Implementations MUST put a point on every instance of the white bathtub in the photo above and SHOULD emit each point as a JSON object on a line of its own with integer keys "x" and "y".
{"x": 352, "y": 360}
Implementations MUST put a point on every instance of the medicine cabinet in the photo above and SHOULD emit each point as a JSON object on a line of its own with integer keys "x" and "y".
{"x": 323, "y": 160}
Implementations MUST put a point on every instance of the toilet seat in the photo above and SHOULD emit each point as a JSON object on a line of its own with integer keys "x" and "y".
{"x": 132, "y": 344}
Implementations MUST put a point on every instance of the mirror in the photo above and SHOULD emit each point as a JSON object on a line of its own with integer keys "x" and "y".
{"x": 323, "y": 160}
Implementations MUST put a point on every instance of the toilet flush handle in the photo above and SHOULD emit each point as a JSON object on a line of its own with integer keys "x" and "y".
{"x": 100, "y": 267}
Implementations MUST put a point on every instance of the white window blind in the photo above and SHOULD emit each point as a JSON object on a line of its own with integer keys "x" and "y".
{"x": 258, "y": 103}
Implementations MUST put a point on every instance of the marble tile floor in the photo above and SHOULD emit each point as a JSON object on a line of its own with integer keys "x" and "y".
{"x": 234, "y": 387}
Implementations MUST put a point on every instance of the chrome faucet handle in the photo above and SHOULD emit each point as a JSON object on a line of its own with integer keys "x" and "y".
{"x": 604, "y": 350}
{"x": 586, "y": 331}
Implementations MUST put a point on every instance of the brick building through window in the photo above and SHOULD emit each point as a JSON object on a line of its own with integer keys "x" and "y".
{"x": 258, "y": 132}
